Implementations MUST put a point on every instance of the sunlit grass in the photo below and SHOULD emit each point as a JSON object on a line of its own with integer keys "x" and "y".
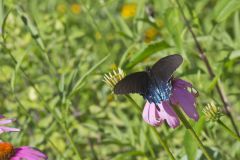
{"x": 54, "y": 55}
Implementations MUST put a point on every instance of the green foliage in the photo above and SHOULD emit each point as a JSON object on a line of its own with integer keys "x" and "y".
{"x": 54, "y": 55}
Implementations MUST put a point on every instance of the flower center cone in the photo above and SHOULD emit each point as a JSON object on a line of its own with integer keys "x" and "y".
{"x": 6, "y": 150}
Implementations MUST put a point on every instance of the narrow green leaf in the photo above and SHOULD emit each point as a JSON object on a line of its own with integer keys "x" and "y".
{"x": 18, "y": 65}
{"x": 1, "y": 13}
{"x": 235, "y": 54}
{"x": 236, "y": 25}
{"x": 128, "y": 154}
{"x": 190, "y": 146}
{"x": 198, "y": 127}
{"x": 125, "y": 54}
{"x": 189, "y": 143}
{"x": 226, "y": 9}
{"x": 212, "y": 85}
{"x": 146, "y": 52}
{"x": 32, "y": 27}
{"x": 174, "y": 26}
{"x": 140, "y": 13}
{"x": 4, "y": 22}
{"x": 124, "y": 27}
{"x": 78, "y": 84}
{"x": 61, "y": 83}
{"x": 13, "y": 81}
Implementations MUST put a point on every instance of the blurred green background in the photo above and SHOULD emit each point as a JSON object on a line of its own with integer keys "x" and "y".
{"x": 54, "y": 54}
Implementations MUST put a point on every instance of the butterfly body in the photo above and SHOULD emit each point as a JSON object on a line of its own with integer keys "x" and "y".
{"x": 153, "y": 84}
{"x": 157, "y": 90}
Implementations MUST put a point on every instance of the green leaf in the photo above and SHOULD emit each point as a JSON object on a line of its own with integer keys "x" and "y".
{"x": 198, "y": 127}
{"x": 214, "y": 82}
{"x": 124, "y": 27}
{"x": 18, "y": 65}
{"x": 235, "y": 54}
{"x": 174, "y": 26}
{"x": 125, "y": 54}
{"x": 13, "y": 77}
{"x": 31, "y": 27}
{"x": 128, "y": 154}
{"x": 190, "y": 146}
{"x": 236, "y": 25}
{"x": 1, "y": 13}
{"x": 78, "y": 84}
{"x": 189, "y": 143}
{"x": 225, "y": 8}
{"x": 61, "y": 83}
{"x": 146, "y": 52}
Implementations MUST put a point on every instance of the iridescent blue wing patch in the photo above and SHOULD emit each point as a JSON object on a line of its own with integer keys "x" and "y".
{"x": 154, "y": 84}
{"x": 158, "y": 92}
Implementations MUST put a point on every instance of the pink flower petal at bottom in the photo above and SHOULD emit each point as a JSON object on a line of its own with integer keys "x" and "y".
{"x": 151, "y": 114}
{"x": 155, "y": 117}
{"x": 167, "y": 113}
{"x": 181, "y": 96}
{"x": 28, "y": 153}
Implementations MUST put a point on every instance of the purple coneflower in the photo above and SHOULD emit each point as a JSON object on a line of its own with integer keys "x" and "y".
{"x": 4, "y": 121}
{"x": 8, "y": 152}
{"x": 155, "y": 114}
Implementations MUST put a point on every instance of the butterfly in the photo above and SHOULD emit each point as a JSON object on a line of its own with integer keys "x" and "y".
{"x": 154, "y": 84}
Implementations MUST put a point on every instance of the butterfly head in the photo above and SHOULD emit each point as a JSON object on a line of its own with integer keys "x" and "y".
{"x": 154, "y": 83}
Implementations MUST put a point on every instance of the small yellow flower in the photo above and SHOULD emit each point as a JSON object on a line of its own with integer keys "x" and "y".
{"x": 61, "y": 8}
{"x": 150, "y": 34}
{"x": 75, "y": 8}
{"x": 128, "y": 10}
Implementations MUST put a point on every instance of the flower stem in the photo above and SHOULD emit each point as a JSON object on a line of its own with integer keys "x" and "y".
{"x": 228, "y": 130}
{"x": 134, "y": 103}
{"x": 161, "y": 141}
{"x": 204, "y": 58}
{"x": 70, "y": 138}
{"x": 193, "y": 133}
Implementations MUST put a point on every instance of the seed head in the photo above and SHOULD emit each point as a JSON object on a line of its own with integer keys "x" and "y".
{"x": 112, "y": 78}
{"x": 212, "y": 112}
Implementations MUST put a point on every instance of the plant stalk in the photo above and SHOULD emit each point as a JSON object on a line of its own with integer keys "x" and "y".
{"x": 204, "y": 58}
{"x": 161, "y": 141}
{"x": 229, "y": 130}
{"x": 191, "y": 130}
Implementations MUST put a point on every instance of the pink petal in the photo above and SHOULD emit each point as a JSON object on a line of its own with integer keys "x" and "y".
{"x": 167, "y": 113}
{"x": 151, "y": 114}
{"x": 8, "y": 129}
{"x": 6, "y": 121}
{"x": 28, "y": 153}
{"x": 181, "y": 96}
{"x": 181, "y": 83}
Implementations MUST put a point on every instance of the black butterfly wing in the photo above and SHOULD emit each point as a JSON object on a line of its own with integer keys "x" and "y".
{"x": 164, "y": 68}
{"x": 132, "y": 83}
